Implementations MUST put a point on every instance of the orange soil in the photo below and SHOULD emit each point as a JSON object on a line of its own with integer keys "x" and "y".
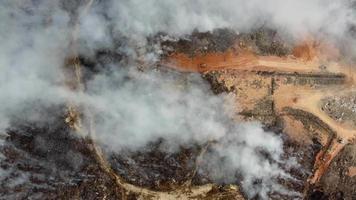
{"x": 323, "y": 160}
{"x": 211, "y": 61}
{"x": 307, "y": 58}
{"x": 308, "y": 100}
{"x": 244, "y": 61}
{"x": 311, "y": 49}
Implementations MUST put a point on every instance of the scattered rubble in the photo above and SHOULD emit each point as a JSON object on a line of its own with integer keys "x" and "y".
{"x": 341, "y": 108}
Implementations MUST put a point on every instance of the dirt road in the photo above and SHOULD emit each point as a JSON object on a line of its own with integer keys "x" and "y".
{"x": 294, "y": 96}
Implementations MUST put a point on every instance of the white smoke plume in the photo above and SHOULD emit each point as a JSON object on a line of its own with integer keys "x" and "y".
{"x": 132, "y": 108}
{"x": 237, "y": 155}
{"x": 152, "y": 106}
{"x": 140, "y": 17}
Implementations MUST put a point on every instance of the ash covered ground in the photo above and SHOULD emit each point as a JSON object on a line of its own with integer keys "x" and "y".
{"x": 108, "y": 103}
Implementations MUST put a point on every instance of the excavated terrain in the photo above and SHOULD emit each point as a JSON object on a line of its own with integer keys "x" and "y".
{"x": 308, "y": 97}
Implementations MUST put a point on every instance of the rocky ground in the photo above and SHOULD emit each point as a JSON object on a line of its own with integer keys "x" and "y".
{"x": 341, "y": 108}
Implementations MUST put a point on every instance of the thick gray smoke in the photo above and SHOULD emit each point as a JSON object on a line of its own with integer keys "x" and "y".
{"x": 239, "y": 152}
{"x": 294, "y": 20}
{"x": 152, "y": 106}
{"x": 132, "y": 108}
{"x": 140, "y": 17}
{"x": 33, "y": 41}
{"x": 183, "y": 111}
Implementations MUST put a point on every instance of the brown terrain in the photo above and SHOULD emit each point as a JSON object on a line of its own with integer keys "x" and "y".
{"x": 309, "y": 91}
{"x": 305, "y": 92}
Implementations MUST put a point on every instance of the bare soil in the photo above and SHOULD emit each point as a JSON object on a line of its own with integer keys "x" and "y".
{"x": 309, "y": 92}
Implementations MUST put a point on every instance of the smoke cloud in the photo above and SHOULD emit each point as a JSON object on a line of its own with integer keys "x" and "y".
{"x": 131, "y": 108}
{"x": 141, "y": 17}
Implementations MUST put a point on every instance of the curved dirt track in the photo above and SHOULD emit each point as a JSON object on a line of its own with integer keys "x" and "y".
{"x": 85, "y": 128}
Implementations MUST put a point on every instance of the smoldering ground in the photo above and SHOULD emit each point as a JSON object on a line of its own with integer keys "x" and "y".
{"x": 133, "y": 108}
